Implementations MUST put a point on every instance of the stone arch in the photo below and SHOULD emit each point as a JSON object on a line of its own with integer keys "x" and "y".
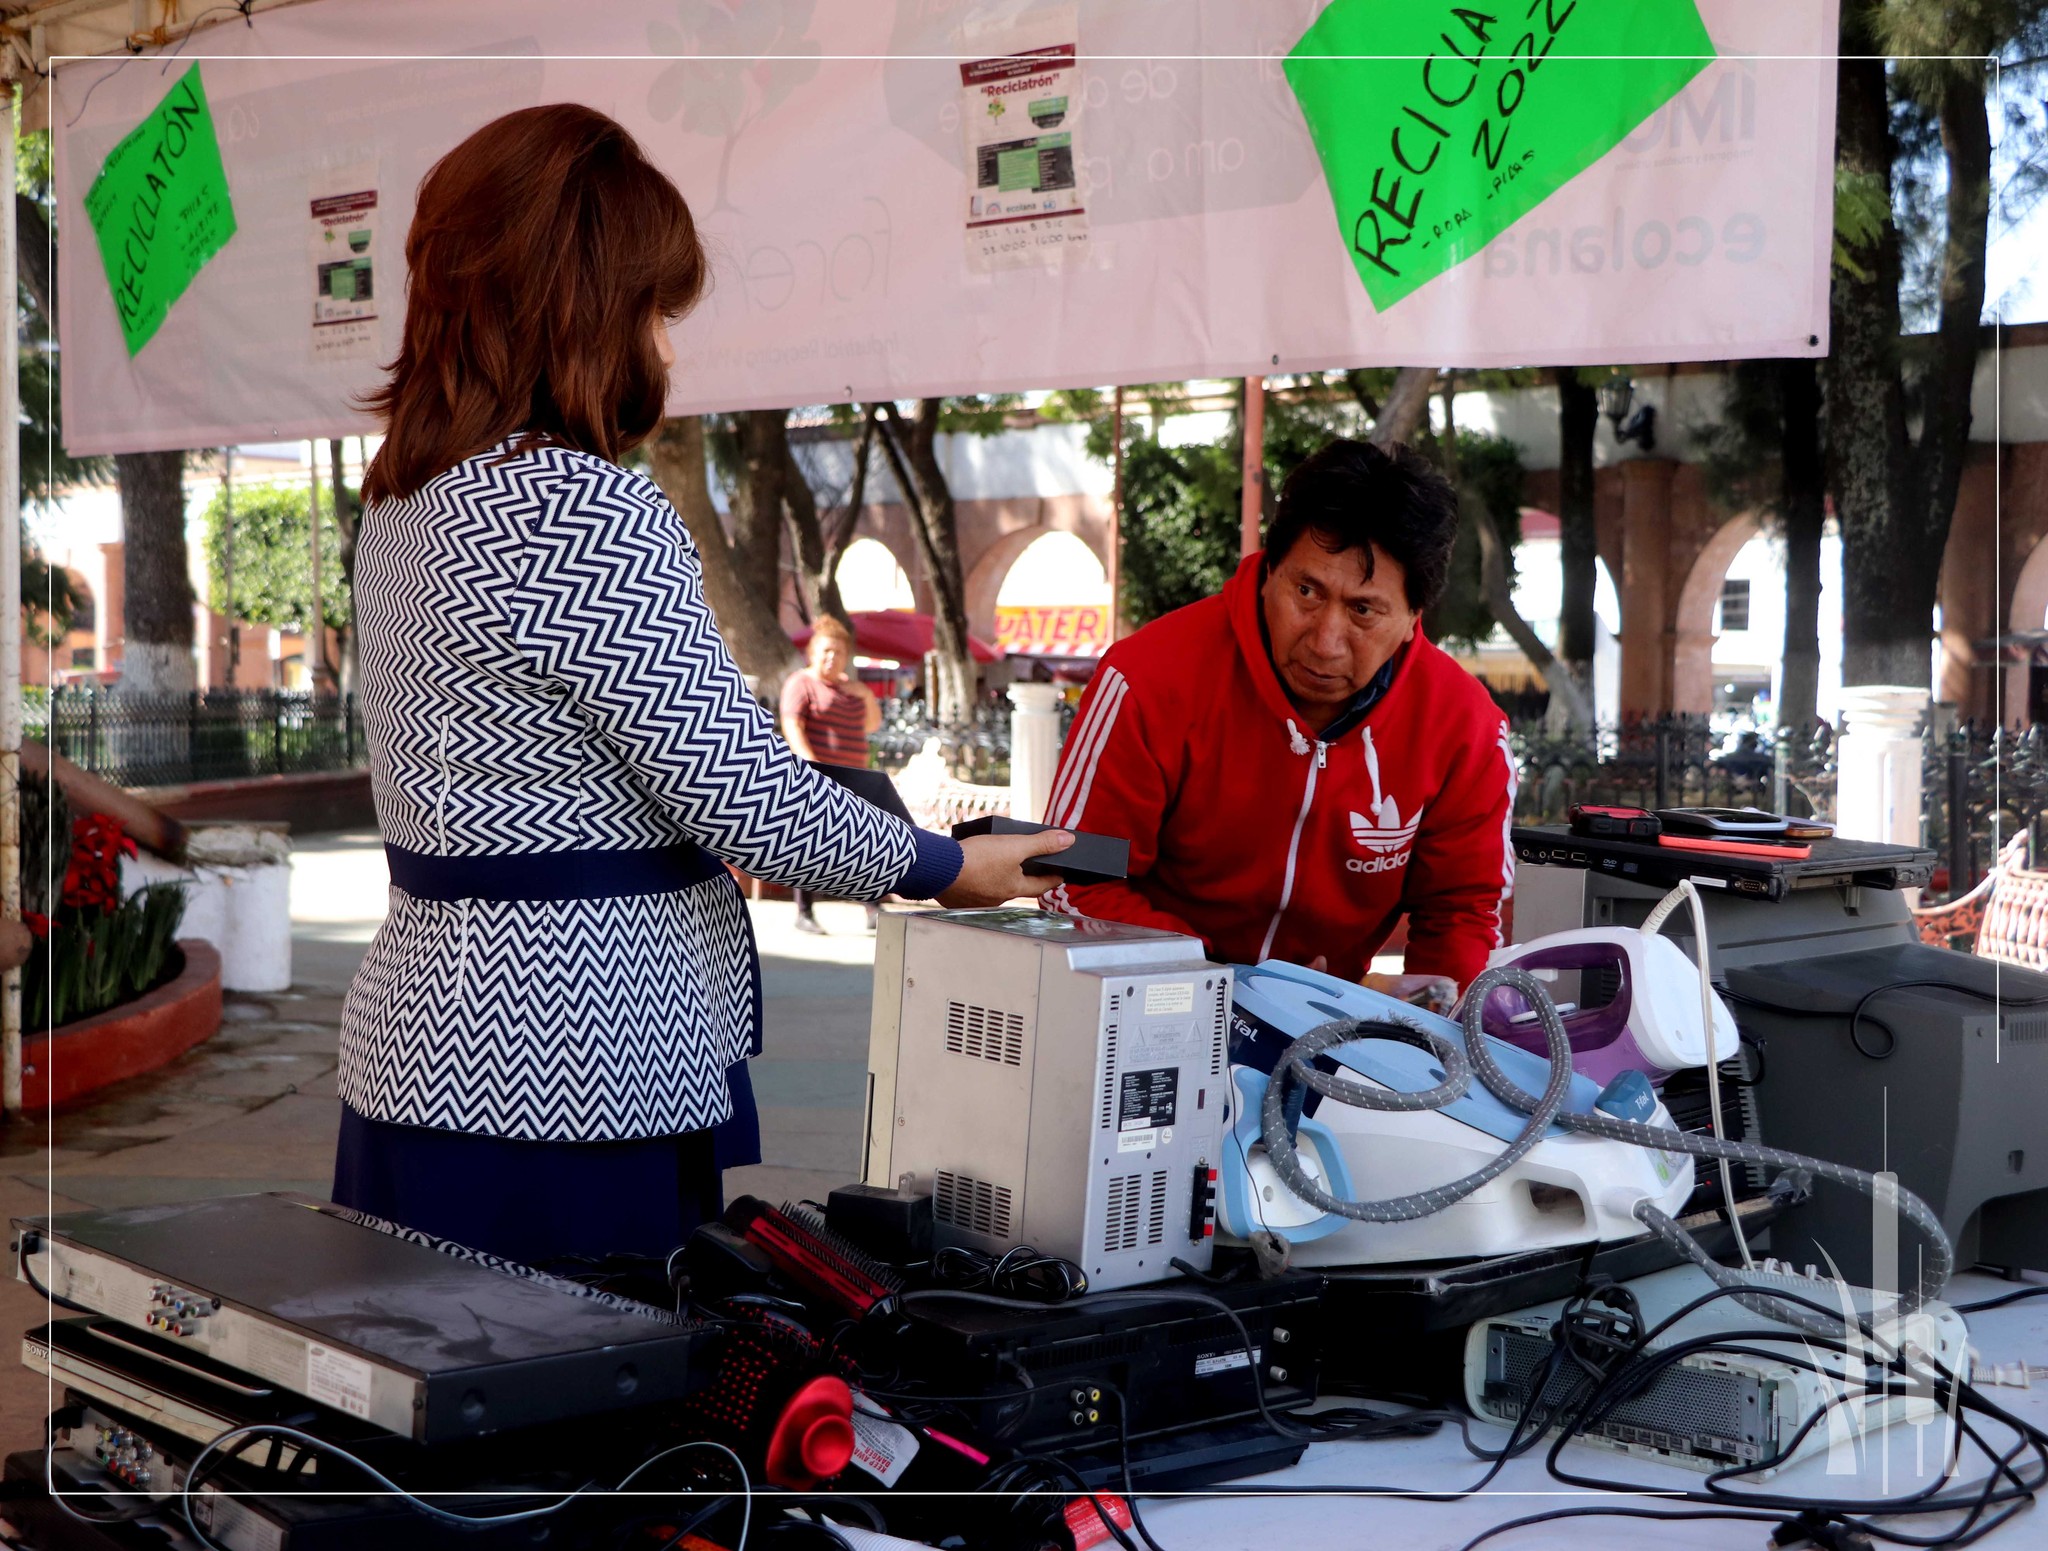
{"x": 2029, "y": 612}
{"x": 985, "y": 578}
{"x": 1691, "y": 636}
{"x": 855, "y": 551}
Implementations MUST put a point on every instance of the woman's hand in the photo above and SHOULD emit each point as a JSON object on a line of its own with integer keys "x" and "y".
{"x": 994, "y": 869}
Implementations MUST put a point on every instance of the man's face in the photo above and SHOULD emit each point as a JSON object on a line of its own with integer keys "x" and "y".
{"x": 829, "y": 658}
{"x": 1332, "y": 627}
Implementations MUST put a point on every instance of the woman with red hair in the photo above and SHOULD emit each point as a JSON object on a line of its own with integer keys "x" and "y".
{"x": 544, "y": 1051}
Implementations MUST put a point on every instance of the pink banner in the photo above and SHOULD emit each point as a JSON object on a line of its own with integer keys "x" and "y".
{"x": 823, "y": 151}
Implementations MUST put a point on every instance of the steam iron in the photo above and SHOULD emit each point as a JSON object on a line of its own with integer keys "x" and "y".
{"x": 1569, "y": 1189}
{"x": 1651, "y": 1023}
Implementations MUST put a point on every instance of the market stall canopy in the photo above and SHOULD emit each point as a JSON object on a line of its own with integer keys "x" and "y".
{"x": 900, "y": 202}
{"x": 897, "y": 635}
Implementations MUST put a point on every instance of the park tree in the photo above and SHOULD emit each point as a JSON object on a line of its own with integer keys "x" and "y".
{"x": 273, "y": 543}
{"x": 1766, "y": 454}
{"x": 1487, "y": 494}
{"x": 820, "y": 532}
{"x": 156, "y": 586}
{"x": 743, "y": 604}
{"x": 1919, "y": 124}
{"x": 911, "y": 446}
{"x": 1578, "y": 417}
{"x": 346, "y": 508}
{"x": 156, "y": 655}
{"x": 1180, "y": 527}
{"x": 46, "y": 468}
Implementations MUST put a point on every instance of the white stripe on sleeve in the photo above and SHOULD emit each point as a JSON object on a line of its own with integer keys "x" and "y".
{"x": 1098, "y": 740}
{"x": 1079, "y": 740}
{"x": 1507, "y": 841}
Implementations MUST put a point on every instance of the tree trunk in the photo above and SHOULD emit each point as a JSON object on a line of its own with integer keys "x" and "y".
{"x": 820, "y": 544}
{"x": 1802, "y": 510}
{"x": 751, "y": 627}
{"x": 758, "y": 499}
{"x": 1406, "y": 408}
{"x": 1894, "y": 497}
{"x": 156, "y": 652}
{"x": 35, "y": 257}
{"x": 912, "y": 451}
{"x": 840, "y": 531}
{"x": 1578, "y": 416}
{"x": 1493, "y": 575}
{"x": 346, "y": 517}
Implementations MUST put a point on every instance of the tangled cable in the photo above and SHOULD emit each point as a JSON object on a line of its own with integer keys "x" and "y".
{"x": 1296, "y": 1065}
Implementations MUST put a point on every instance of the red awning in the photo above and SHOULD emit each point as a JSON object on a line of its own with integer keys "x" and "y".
{"x": 897, "y": 635}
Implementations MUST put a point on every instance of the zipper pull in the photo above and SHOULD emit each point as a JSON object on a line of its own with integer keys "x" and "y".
{"x": 1322, "y": 754}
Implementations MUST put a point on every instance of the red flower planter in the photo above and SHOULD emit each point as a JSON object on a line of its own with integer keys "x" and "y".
{"x": 139, "y": 1036}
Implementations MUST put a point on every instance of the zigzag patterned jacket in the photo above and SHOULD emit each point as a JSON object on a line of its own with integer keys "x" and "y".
{"x": 561, "y": 751}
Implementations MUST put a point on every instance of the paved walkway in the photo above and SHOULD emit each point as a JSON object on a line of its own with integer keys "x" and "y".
{"x": 254, "y": 1108}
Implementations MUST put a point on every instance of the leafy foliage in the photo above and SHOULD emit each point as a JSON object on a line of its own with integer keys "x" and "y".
{"x": 1490, "y": 470}
{"x": 274, "y": 557}
{"x": 1860, "y": 210}
{"x": 46, "y": 467}
{"x": 1182, "y": 504}
{"x": 1180, "y": 524}
{"x": 1738, "y": 448}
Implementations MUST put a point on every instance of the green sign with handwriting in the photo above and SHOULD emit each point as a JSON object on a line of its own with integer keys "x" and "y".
{"x": 1439, "y": 126}
{"x": 160, "y": 208}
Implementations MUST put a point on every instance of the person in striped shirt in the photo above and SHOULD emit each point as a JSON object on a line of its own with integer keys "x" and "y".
{"x": 827, "y": 715}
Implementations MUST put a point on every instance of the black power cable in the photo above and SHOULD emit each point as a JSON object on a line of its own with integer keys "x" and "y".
{"x": 2020, "y": 1295}
{"x": 1975, "y": 1503}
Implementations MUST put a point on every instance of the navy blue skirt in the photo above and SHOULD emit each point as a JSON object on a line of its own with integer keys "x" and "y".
{"x": 536, "y": 1202}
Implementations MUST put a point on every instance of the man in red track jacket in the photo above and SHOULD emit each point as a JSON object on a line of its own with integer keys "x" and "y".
{"x": 1294, "y": 764}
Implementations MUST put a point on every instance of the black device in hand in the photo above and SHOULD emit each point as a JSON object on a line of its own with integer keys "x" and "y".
{"x": 1604, "y": 823}
{"x": 1090, "y": 859}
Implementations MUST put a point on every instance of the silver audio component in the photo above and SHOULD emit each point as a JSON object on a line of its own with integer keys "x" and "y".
{"x": 1051, "y": 1081}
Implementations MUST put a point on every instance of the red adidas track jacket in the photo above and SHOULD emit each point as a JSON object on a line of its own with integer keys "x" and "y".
{"x": 1247, "y": 832}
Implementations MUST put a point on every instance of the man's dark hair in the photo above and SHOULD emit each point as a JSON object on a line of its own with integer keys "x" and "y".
{"x": 1352, "y": 495}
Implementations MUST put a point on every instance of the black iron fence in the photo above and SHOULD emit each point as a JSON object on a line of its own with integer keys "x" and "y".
{"x": 979, "y": 752}
{"x": 206, "y": 735}
{"x": 1982, "y": 785}
{"x": 1669, "y": 762}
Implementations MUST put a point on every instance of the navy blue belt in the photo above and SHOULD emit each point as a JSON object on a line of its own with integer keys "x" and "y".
{"x": 551, "y": 875}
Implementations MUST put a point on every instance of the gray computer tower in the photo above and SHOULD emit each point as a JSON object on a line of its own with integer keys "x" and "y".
{"x": 1940, "y": 1081}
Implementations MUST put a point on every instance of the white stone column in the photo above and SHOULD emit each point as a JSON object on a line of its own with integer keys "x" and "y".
{"x": 1878, "y": 764}
{"x": 1034, "y": 747}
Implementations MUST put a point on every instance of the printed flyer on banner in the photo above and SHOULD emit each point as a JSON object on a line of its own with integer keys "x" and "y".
{"x": 1018, "y": 114}
{"x": 343, "y": 237}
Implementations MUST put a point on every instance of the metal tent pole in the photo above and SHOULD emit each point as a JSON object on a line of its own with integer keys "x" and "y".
{"x": 227, "y": 510}
{"x": 10, "y": 592}
{"x": 1253, "y": 512}
{"x": 1116, "y": 515}
{"x": 316, "y": 626}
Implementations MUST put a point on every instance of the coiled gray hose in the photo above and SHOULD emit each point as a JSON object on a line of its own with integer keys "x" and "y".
{"x": 1296, "y": 1063}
